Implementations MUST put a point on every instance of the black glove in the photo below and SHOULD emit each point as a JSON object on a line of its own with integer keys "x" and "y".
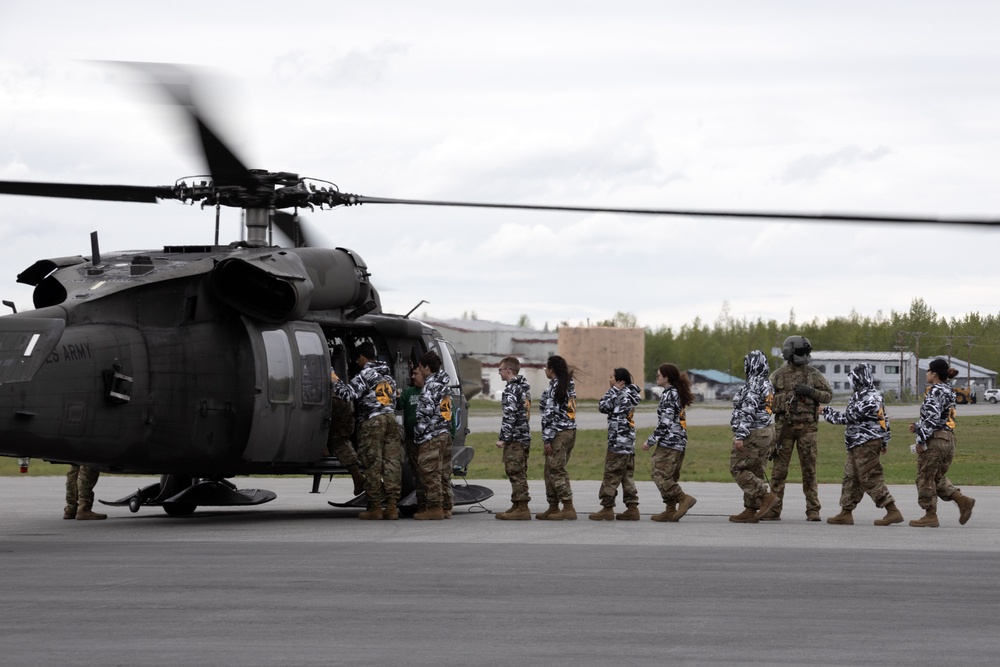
{"x": 804, "y": 390}
{"x": 772, "y": 453}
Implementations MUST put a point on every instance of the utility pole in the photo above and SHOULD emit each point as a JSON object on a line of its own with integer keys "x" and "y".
{"x": 916, "y": 338}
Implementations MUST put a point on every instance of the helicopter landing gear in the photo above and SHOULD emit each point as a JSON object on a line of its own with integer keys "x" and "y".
{"x": 181, "y": 495}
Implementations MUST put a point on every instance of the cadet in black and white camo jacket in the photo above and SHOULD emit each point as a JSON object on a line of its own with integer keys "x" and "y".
{"x": 558, "y": 438}
{"x": 866, "y": 437}
{"x": 619, "y": 403}
{"x": 432, "y": 435}
{"x": 752, "y": 422}
{"x": 515, "y": 437}
{"x": 670, "y": 441}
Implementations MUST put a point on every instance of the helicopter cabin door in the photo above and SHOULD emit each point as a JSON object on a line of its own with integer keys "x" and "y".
{"x": 292, "y": 392}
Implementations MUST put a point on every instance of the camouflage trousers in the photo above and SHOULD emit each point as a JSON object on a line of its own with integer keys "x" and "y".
{"x": 80, "y": 482}
{"x": 434, "y": 471}
{"x": 863, "y": 474}
{"x": 343, "y": 449}
{"x": 747, "y": 466}
{"x": 515, "y": 464}
{"x": 557, "y": 486}
{"x": 380, "y": 450}
{"x": 932, "y": 466}
{"x": 412, "y": 450}
{"x": 666, "y": 471}
{"x": 800, "y": 436}
{"x": 619, "y": 469}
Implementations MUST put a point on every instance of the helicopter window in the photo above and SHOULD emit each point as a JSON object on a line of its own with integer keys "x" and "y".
{"x": 448, "y": 360}
{"x": 279, "y": 366}
{"x": 311, "y": 360}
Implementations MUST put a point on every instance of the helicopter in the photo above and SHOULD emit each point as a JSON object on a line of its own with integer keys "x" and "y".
{"x": 201, "y": 363}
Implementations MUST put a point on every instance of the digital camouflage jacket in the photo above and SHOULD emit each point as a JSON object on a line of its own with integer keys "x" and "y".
{"x": 752, "y": 404}
{"x": 557, "y": 416}
{"x": 619, "y": 406}
{"x": 671, "y": 424}
{"x": 793, "y": 407}
{"x": 373, "y": 391}
{"x": 516, "y": 404}
{"x": 865, "y": 414}
{"x": 433, "y": 408}
{"x": 937, "y": 412}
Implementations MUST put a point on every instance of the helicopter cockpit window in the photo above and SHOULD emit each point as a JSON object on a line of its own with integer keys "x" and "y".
{"x": 311, "y": 360}
{"x": 279, "y": 366}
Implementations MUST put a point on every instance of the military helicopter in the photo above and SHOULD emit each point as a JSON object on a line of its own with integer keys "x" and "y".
{"x": 200, "y": 363}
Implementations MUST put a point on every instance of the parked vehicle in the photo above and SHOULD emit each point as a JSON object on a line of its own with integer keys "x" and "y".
{"x": 992, "y": 395}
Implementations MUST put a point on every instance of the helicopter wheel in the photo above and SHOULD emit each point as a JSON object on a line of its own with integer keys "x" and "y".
{"x": 134, "y": 504}
{"x": 179, "y": 509}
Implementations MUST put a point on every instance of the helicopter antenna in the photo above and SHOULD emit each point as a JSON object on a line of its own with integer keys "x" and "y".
{"x": 95, "y": 249}
{"x": 414, "y": 308}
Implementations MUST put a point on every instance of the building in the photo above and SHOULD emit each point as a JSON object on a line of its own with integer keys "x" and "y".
{"x": 594, "y": 353}
{"x": 708, "y": 383}
{"x": 895, "y": 372}
{"x": 489, "y": 342}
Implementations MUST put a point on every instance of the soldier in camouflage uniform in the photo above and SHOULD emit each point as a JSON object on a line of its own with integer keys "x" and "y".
{"x": 799, "y": 389}
{"x": 558, "y": 437}
{"x": 338, "y": 441}
{"x": 80, "y": 482}
{"x": 866, "y": 437}
{"x": 670, "y": 439}
{"x": 753, "y": 434}
{"x": 380, "y": 448}
{"x": 935, "y": 431}
{"x": 618, "y": 403}
{"x": 515, "y": 438}
{"x": 432, "y": 434}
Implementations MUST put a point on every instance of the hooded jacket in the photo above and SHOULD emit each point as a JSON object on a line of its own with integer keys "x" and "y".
{"x": 557, "y": 416}
{"x": 752, "y": 403}
{"x": 865, "y": 414}
{"x": 373, "y": 391}
{"x": 433, "y": 408}
{"x": 936, "y": 413}
{"x": 671, "y": 424}
{"x": 619, "y": 406}
{"x": 516, "y": 404}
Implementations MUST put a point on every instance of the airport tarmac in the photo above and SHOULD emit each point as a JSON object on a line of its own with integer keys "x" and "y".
{"x": 298, "y": 582}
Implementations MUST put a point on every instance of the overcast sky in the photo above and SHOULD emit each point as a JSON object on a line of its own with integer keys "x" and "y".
{"x": 872, "y": 107}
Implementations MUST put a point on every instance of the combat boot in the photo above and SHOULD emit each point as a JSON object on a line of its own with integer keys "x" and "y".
{"x": 965, "y": 504}
{"x": 928, "y": 520}
{"x": 501, "y": 515}
{"x": 391, "y": 512}
{"x": 767, "y": 511}
{"x": 517, "y": 512}
{"x": 812, "y": 516}
{"x": 548, "y": 514}
{"x": 685, "y": 503}
{"x": 69, "y": 512}
{"x": 665, "y": 515}
{"x": 748, "y": 515}
{"x": 373, "y": 513}
{"x": 630, "y": 514}
{"x": 87, "y": 515}
{"x": 568, "y": 512}
{"x": 606, "y": 514}
{"x": 430, "y": 514}
{"x": 892, "y": 515}
{"x": 359, "y": 481}
{"x": 845, "y": 518}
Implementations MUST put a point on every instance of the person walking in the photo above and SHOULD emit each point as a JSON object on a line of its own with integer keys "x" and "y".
{"x": 619, "y": 403}
{"x": 935, "y": 431}
{"x": 752, "y": 422}
{"x": 670, "y": 440}
{"x": 558, "y": 405}
{"x": 867, "y": 437}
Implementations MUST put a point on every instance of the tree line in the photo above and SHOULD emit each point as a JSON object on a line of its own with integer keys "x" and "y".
{"x": 722, "y": 345}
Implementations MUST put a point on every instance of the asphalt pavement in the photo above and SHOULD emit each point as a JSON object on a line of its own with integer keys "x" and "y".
{"x": 298, "y": 582}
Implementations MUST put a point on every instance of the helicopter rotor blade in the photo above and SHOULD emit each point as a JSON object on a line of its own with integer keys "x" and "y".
{"x": 129, "y": 193}
{"x": 291, "y": 226}
{"x": 178, "y": 83}
{"x": 816, "y": 217}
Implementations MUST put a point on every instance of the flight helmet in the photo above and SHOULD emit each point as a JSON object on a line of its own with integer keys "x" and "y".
{"x": 796, "y": 350}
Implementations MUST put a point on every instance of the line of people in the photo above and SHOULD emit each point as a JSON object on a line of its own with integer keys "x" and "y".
{"x": 773, "y": 414}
